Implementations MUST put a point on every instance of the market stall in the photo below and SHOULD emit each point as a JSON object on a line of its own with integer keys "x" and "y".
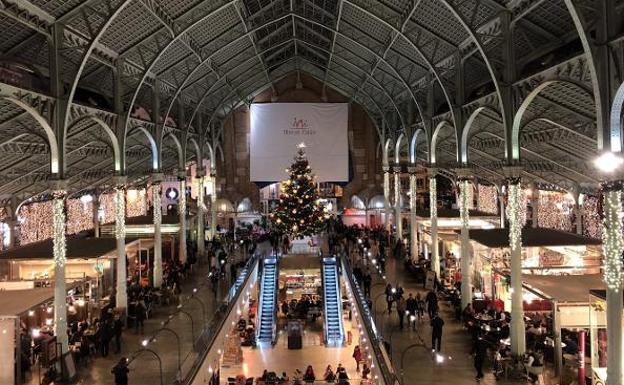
{"x": 544, "y": 252}
{"x": 598, "y": 336}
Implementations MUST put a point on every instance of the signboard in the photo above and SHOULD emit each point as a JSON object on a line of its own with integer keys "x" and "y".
{"x": 277, "y": 129}
{"x": 430, "y": 280}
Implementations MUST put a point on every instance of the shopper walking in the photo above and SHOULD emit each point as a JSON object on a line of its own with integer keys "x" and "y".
{"x": 401, "y": 307}
{"x": 436, "y": 332}
{"x": 432, "y": 303}
{"x": 411, "y": 305}
{"x": 357, "y": 356}
{"x": 120, "y": 371}
{"x": 389, "y": 296}
{"x": 479, "y": 350}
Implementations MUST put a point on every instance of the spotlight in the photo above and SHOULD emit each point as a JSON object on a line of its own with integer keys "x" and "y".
{"x": 608, "y": 162}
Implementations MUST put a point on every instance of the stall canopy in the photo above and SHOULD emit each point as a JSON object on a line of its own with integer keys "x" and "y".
{"x": 531, "y": 237}
{"x": 18, "y": 302}
{"x": 77, "y": 248}
{"x": 563, "y": 288}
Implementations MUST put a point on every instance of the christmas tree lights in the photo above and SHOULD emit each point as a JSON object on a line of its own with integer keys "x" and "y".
{"x": 514, "y": 213}
{"x": 157, "y": 197}
{"x": 299, "y": 212}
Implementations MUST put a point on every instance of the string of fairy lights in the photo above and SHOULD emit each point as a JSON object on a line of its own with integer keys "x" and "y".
{"x": 433, "y": 197}
{"x": 592, "y": 223}
{"x": 514, "y": 213}
{"x": 555, "y": 210}
{"x": 464, "y": 186}
{"x": 612, "y": 241}
{"x": 120, "y": 212}
{"x": 59, "y": 247}
{"x": 488, "y": 198}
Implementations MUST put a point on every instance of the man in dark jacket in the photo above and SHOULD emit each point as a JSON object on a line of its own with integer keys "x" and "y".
{"x": 436, "y": 332}
{"x": 120, "y": 371}
{"x": 479, "y": 350}
{"x": 432, "y": 303}
{"x": 411, "y": 305}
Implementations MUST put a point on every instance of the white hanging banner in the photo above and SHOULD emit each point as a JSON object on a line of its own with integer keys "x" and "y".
{"x": 277, "y": 129}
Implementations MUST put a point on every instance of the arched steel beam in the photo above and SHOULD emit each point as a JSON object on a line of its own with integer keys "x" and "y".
{"x": 282, "y": 63}
{"x": 206, "y": 94}
{"x": 49, "y": 132}
{"x": 376, "y": 55}
{"x": 166, "y": 48}
{"x": 109, "y": 132}
{"x": 226, "y": 98}
{"x": 609, "y": 138}
{"x": 414, "y": 142}
{"x": 463, "y": 149}
{"x": 434, "y": 140}
{"x": 178, "y": 147}
{"x": 431, "y": 65}
{"x": 152, "y": 143}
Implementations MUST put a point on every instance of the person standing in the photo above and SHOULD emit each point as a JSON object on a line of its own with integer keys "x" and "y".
{"x": 479, "y": 350}
{"x": 400, "y": 306}
{"x": 105, "y": 337}
{"x": 367, "y": 283}
{"x": 411, "y": 306}
{"x": 357, "y": 356}
{"x": 389, "y": 297}
{"x": 141, "y": 314}
{"x": 120, "y": 371}
{"x": 117, "y": 329}
{"x": 432, "y": 303}
{"x": 436, "y": 332}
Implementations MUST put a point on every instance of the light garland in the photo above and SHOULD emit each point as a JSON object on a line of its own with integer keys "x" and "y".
{"x": 488, "y": 199}
{"x": 386, "y": 190}
{"x": 120, "y": 212}
{"x": 433, "y": 198}
{"x": 464, "y": 219}
{"x": 592, "y": 224}
{"x": 79, "y": 215}
{"x": 135, "y": 203}
{"x": 59, "y": 247}
{"x": 157, "y": 201}
{"x": 612, "y": 241}
{"x": 555, "y": 210}
{"x": 107, "y": 205}
{"x": 200, "y": 195}
{"x": 3, "y": 226}
{"x": 182, "y": 198}
{"x": 514, "y": 214}
{"x": 36, "y": 223}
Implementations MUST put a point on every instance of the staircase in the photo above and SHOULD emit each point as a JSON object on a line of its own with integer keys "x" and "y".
{"x": 334, "y": 332}
{"x": 268, "y": 297}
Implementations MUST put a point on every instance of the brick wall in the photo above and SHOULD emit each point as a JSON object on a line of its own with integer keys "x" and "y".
{"x": 233, "y": 173}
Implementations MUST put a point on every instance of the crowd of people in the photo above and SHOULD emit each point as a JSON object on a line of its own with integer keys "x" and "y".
{"x": 338, "y": 376}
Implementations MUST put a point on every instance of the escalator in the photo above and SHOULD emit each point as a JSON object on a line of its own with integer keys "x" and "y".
{"x": 268, "y": 298}
{"x": 334, "y": 332}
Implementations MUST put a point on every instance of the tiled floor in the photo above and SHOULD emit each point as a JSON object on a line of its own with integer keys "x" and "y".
{"x": 145, "y": 369}
{"x": 280, "y": 359}
{"x": 420, "y": 367}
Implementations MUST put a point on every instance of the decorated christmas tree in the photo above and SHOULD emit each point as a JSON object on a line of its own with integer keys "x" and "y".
{"x": 299, "y": 212}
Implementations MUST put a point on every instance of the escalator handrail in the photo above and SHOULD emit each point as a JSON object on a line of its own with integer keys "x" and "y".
{"x": 231, "y": 301}
{"x": 275, "y": 307}
{"x": 383, "y": 361}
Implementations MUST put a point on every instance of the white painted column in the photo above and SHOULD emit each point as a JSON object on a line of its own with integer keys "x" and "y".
{"x": 182, "y": 218}
{"x": 613, "y": 246}
{"x": 213, "y": 204}
{"x": 59, "y": 252}
{"x": 413, "y": 221}
{"x": 157, "y": 219}
{"x": 517, "y": 329}
{"x": 466, "y": 260}
{"x": 121, "y": 296}
{"x": 397, "y": 203}
{"x": 386, "y": 191}
{"x": 200, "y": 211}
{"x": 433, "y": 216}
